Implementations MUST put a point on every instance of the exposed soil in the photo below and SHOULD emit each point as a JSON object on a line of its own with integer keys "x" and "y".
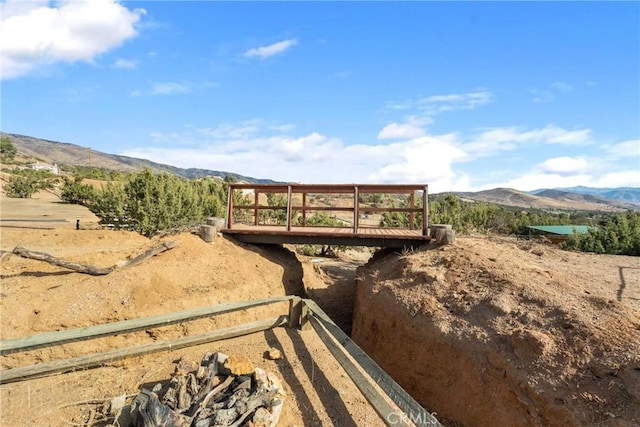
{"x": 495, "y": 331}
{"x": 484, "y": 332}
{"x": 37, "y": 297}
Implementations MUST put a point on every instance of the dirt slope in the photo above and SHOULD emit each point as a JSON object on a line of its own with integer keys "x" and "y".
{"x": 506, "y": 332}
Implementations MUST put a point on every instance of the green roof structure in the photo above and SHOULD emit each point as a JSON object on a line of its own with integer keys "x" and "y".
{"x": 561, "y": 230}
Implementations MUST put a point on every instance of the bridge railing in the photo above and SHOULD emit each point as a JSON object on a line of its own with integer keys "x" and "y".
{"x": 292, "y": 205}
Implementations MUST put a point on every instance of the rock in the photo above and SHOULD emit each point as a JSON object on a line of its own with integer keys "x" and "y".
{"x": 274, "y": 354}
{"x": 116, "y": 404}
{"x": 239, "y": 365}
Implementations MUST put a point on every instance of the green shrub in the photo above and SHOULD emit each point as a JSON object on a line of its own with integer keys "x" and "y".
{"x": 149, "y": 203}
{"x": 25, "y": 183}
{"x": 619, "y": 235}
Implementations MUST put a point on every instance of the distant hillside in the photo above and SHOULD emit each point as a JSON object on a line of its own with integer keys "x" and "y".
{"x": 626, "y": 194}
{"x": 74, "y": 155}
{"x": 548, "y": 199}
{"x": 577, "y": 198}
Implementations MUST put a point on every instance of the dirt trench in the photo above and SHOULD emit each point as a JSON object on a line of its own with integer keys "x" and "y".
{"x": 503, "y": 332}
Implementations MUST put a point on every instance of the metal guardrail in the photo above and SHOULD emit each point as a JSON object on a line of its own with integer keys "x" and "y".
{"x": 303, "y": 314}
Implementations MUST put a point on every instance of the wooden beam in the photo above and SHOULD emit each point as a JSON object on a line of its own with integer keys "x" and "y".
{"x": 99, "y": 359}
{"x": 413, "y": 409}
{"x": 78, "y": 334}
{"x": 356, "y": 213}
{"x": 425, "y": 211}
{"x": 381, "y": 406}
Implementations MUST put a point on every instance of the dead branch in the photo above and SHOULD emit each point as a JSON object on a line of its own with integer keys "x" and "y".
{"x": 89, "y": 269}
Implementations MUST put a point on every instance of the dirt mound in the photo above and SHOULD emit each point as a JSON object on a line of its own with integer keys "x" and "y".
{"x": 506, "y": 332}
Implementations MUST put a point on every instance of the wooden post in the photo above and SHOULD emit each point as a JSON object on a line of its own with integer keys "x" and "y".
{"x": 304, "y": 318}
{"x": 412, "y": 204}
{"x": 356, "y": 212}
{"x": 230, "y": 206}
{"x": 255, "y": 207}
{"x": 289, "y": 208}
{"x": 304, "y": 209}
{"x": 425, "y": 210}
{"x": 295, "y": 312}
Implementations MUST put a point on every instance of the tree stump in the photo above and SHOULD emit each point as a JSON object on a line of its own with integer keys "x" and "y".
{"x": 218, "y": 223}
{"x": 208, "y": 233}
{"x": 442, "y": 234}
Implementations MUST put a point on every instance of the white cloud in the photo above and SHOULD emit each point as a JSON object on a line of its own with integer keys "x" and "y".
{"x": 494, "y": 140}
{"x": 456, "y": 101}
{"x": 624, "y": 149}
{"x": 415, "y": 162}
{"x": 263, "y": 149}
{"x": 630, "y": 178}
{"x": 35, "y": 34}
{"x": 248, "y": 149}
{"x": 550, "y": 94}
{"x": 170, "y": 88}
{"x": 263, "y": 52}
{"x": 564, "y": 166}
{"x": 412, "y": 128}
{"x": 426, "y": 108}
{"x": 562, "y": 86}
{"x": 122, "y": 63}
{"x": 541, "y": 96}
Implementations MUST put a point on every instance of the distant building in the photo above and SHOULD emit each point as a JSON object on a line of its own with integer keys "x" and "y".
{"x": 557, "y": 233}
{"x": 44, "y": 167}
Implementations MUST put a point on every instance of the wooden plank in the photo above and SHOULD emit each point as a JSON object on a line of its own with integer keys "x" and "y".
{"x": 413, "y": 409}
{"x": 99, "y": 359}
{"x": 79, "y": 334}
{"x": 381, "y": 406}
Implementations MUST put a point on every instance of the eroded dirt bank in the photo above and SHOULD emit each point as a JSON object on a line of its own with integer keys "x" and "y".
{"x": 502, "y": 332}
{"x": 37, "y": 297}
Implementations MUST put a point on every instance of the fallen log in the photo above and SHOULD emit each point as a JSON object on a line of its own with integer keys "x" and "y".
{"x": 90, "y": 269}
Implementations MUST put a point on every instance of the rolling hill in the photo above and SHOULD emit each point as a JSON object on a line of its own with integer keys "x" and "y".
{"x": 548, "y": 199}
{"x": 579, "y": 198}
{"x": 627, "y": 194}
{"x": 64, "y": 153}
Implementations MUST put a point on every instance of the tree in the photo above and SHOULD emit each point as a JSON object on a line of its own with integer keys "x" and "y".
{"x": 8, "y": 151}
{"x": 619, "y": 235}
{"x": 74, "y": 191}
{"x": 25, "y": 183}
{"x": 148, "y": 202}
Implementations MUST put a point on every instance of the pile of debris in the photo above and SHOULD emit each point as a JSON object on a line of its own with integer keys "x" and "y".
{"x": 220, "y": 391}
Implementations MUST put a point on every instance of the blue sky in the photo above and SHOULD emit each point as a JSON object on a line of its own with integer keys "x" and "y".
{"x": 458, "y": 95}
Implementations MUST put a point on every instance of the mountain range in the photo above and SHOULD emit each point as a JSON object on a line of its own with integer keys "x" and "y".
{"x": 574, "y": 198}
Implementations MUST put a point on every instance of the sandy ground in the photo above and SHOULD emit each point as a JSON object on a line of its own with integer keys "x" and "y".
{"x": 37, "y": 297}
{"x": 488, "y": 331}
{"x": 499, "y": 331}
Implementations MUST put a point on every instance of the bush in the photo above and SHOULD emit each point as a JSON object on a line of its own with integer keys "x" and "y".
{"x": 74, "y": 191}
{"x": 149, "y": 203}
{"x": 7, "y": 150}
{"x": 25, "y": 183}
{"x": 617, "y": 235}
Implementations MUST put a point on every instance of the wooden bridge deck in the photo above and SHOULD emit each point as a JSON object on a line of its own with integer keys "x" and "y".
{"x": 249, "y": 206}
{"x": 383, "y": 237}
